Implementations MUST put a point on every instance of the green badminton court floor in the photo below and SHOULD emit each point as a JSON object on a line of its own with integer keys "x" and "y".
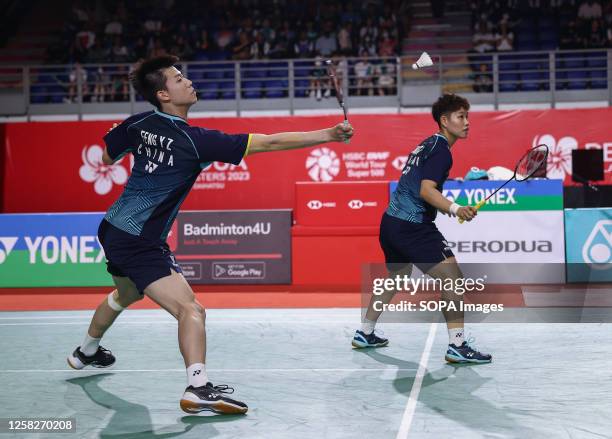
{"x": 296, "y": 370}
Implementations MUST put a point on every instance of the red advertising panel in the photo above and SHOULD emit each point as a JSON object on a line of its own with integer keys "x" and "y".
{"x": 340, "y": 203}
{"x": 56, "y": 166}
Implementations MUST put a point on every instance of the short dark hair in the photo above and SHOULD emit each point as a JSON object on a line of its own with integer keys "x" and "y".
{"x": 148, "y": 76}
{"x": 448, "y": 103}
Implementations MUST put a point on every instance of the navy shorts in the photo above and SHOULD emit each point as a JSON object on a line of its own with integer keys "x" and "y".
{"x": 141, "y": 260}
{"x": 404, "y": 242}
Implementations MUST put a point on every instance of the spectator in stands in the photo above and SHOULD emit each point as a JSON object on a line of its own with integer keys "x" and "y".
{"x": 120, "y": 89}
{"x": 385, "y": 74}
{"x": 483, "y": 82}
{"x": 260, "y": 48}
{"x": 84, "y": 40}
{"x": 504, "y": 38}
{"x": 345, "y": 39}
{"x": 483, "y": 39}
{"x": 326, "y": 43}
{"x": 303, "y": 47}
{"x": 77, "y": 75}
{"x": 224, "y": 37}
{"x": 386, "y": 45}
{"x": 368, "y": 30}
{"x": 204, "y": 45}
{"x": 589, "y": 9}
{"x": 101, "y": 84}
{"x": 181, "y": 47}
{"x": 363, "y": 74}
{"x": 280, "y": 46}
{"x": 79, "y": 12}
{"x": 570, "y": 37}
{"x": 242, "y": 49}
{"x": 119, "y": 52}
{"x": 114, "y": 27}
{"x": 158, "y": 49}
{"x": 597, "y": 36}
{"x": 98, "y": 53}
{"x": 319, "y": 81}
{"x": 369, "y": 46}
{"x": 140, "y": 50}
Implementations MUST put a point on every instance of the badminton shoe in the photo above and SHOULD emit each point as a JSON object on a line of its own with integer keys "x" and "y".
{"x": 466, "y": 354}
{"x": 102, "y": 358}
{"x": 363, "y": 340}
{"x": 211, "y": 398}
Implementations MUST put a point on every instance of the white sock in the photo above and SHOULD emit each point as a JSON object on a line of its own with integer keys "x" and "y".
{"x": 368, "y": 326}
{"x": 90, "y": 345}
{"x": 455, "y": 336}
{"x": 196, "y": 375}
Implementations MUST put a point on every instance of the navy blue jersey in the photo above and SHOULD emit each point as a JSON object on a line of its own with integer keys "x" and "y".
{"x": 168, "y": 156}
{"x": 431, "y": 160}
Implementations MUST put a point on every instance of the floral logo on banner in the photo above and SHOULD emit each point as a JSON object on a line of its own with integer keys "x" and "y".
{"x": 323, "y": 164}
{"x": 95, "y": 171}
{"x": 560, "y": 154}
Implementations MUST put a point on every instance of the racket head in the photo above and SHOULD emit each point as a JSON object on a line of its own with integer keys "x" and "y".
{"x": 531, "y": 161}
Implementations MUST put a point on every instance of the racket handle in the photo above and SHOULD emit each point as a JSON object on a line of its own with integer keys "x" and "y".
{"x": 477, "y": 207}
{"x": 345, "y": 123}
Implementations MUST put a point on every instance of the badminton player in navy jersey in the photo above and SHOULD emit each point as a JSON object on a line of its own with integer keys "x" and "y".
{"x": 169, "y": 154}
{"x": 408, "y": 234}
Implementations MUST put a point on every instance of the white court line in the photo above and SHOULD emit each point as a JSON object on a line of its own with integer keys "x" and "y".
{"x": 416, "y": 385}
{"x": 137, "y": 317}
{"x": 211, "y": 322}
{"x": 379, "y": 369}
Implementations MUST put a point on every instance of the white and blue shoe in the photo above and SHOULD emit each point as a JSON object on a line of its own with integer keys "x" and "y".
{"x": 363, "y": 340}
{"x": 466, "y": 354}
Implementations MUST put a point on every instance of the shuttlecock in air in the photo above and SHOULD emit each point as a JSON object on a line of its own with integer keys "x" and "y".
{"x": 423, "y": 61}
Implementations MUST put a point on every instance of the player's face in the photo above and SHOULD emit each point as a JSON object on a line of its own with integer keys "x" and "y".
{"x": 179, "y": 89}
{"x": 458, "y": 124}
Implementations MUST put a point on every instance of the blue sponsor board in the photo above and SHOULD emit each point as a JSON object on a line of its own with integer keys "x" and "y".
{"x": 51, "y": 250}
{"x": 588, "y": 240}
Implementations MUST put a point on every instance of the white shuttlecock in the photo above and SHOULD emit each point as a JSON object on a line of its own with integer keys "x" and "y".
{"x": 423, "y": 61}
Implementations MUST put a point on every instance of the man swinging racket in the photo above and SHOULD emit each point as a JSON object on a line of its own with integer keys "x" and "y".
{"x": 168, "y": 157}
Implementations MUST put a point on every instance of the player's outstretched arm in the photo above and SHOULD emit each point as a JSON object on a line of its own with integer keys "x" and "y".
{"x": 294, "y": 140}
{"x": 432, "y": 196}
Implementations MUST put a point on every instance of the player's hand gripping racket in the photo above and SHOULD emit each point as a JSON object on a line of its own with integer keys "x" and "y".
{"x": 331, "y": 72}
{"x": 525, "y": 168}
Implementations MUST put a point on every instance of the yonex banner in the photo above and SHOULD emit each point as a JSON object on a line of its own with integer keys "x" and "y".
{"x": 49, "y": 250}
{"x": 58, "y": 164}
{"x": 523, "y": 222}
{"x": 589, "y": 242}
{"x": 233, "y": 247}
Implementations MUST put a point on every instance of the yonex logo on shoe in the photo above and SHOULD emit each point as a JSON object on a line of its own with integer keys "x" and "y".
{"x": 196, "y": 372}
{"x": 150, "y": 167}
{"x": 8, "y": 243}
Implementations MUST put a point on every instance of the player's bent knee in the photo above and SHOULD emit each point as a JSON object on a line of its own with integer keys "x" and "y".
{"x": 191, "y": 310}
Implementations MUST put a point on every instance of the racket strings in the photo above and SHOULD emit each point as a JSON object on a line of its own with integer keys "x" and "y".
{"x": 533, "y": 160}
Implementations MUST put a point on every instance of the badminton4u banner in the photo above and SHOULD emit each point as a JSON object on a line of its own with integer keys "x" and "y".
{"x": 57, "y": 166}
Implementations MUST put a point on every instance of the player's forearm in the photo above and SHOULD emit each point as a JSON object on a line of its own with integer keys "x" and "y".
{"x": 436, "y": 199}
{"x": 289, "y": 140}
